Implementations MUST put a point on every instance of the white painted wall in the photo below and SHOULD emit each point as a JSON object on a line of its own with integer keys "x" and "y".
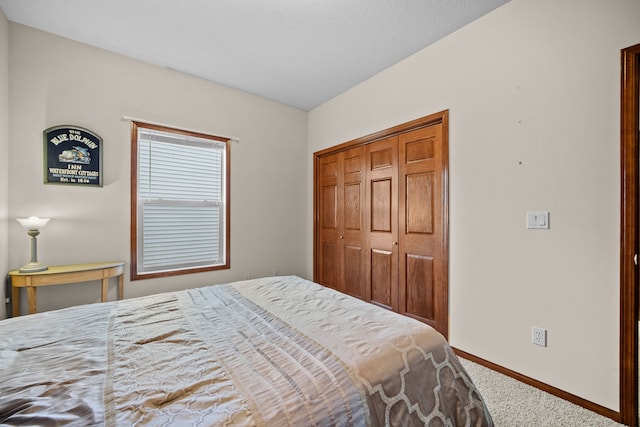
{"x": 4, "y": 159}
{"x": 533, "y": 94}
{"x": 55, "y": 81}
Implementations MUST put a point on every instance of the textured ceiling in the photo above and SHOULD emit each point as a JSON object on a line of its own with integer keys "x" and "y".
{"x": 297, "y": 52}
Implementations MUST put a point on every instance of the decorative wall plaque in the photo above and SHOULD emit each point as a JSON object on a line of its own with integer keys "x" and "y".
{"x": 72, "y": 155}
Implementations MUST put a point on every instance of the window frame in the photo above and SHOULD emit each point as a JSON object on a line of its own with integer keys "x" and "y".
{"x": 134, "y": 274}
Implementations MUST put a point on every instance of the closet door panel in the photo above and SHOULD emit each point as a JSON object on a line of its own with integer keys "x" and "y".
{"x": 354, "y": 276}
{"x": 382, "y": 223}
{"x": 419, "y": 203}
{"x": 328, "y": 251}
{"x": 382, "y": 277}
{"x": 353, "y": 207}
{"x": 419, "y": 149}
{"x": 419, "y": 286}
{"x": 381, "y": 210}
{"x": 421, "y": 241}
{"x": 382, "y": 156}
{"x": 329, "y": 207}
{"x": 328, "y": 265}
{"x": 353, "y": 219}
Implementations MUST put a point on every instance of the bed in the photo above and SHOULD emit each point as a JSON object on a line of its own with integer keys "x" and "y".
{"x": 274, "y": 351}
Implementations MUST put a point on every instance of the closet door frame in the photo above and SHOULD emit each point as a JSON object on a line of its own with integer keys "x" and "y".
{"x": 441, "y": 118}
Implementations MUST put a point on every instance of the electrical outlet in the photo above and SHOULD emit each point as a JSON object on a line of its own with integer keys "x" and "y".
{"x": 275, "y": 272}
{"x": 539, "y": 336}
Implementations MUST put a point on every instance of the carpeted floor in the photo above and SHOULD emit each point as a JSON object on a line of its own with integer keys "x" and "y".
{"x": 515, "y": 404}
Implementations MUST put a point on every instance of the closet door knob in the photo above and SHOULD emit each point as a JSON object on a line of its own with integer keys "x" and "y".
{"x": 342, "y": 237}
{"x": 395, "y": 243}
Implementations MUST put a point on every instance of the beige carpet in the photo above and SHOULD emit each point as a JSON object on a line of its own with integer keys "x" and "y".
{"x": 515, "y": 404}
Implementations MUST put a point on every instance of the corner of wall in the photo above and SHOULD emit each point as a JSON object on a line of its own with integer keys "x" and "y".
{"x": 4, "y": 159}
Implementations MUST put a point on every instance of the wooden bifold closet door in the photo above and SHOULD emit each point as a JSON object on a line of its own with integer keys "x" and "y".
{"x": 341, "y": 254}
{"x": 381, "y": 219}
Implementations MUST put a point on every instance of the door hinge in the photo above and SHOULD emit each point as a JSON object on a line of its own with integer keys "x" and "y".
{"x": 635, "y": 259}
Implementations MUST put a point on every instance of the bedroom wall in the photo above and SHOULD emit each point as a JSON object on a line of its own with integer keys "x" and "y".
{"x": 4, "y": 148}
{"x": 533, "y": 94}
{"x": 55, "y": 81}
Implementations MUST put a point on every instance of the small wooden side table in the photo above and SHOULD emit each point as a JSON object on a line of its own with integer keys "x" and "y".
{"x": 64, "y": 274}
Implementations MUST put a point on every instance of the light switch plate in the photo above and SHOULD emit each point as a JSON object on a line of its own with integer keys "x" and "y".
{"x": 538, "y": 220}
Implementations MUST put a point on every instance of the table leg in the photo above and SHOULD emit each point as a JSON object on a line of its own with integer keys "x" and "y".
{"x": 105, "y": 287}
{"x": 121, "y": 286}
{"x": 15, "y": 301}
{"x": 31, "y": 299}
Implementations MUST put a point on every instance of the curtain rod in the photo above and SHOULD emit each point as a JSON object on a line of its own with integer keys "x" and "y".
{"x": 149, "y": 122}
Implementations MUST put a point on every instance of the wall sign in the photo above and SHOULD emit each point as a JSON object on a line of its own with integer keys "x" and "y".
{"x": 72, "y": 155}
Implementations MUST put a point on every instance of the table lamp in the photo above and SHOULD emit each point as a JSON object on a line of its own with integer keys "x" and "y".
{"x": 33, "y": 225}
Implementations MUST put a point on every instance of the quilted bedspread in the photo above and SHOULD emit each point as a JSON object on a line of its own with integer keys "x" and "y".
{"x": 276, "y": 351}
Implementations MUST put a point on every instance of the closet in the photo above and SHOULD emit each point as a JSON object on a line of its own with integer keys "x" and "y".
{"x": 380, "y": 219}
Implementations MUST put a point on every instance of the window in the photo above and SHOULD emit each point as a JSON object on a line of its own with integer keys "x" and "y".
{"x": 179, "y": 202}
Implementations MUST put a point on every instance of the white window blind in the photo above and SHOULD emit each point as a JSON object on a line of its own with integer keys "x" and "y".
{"x": 181, "y": 201}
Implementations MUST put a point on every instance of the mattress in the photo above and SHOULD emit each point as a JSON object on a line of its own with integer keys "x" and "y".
{"x": 277, "y": 351}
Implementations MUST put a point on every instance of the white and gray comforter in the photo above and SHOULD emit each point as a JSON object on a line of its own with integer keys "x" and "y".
{"x": 276, "y": 351}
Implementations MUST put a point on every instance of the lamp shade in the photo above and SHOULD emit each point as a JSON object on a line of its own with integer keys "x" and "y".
{"x": 33, "y": 222}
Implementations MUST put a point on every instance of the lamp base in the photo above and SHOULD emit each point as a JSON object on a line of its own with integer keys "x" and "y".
{"x": 33, "y": 267}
